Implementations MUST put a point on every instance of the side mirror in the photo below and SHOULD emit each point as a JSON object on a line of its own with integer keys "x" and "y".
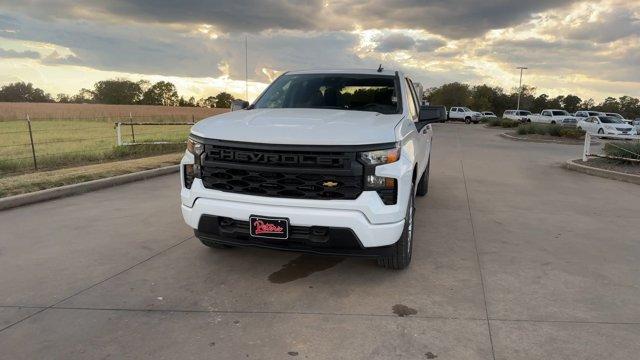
{"x": 239, "y": 105}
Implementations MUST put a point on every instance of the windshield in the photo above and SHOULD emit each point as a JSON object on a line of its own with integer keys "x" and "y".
{"x": 615, "y": 115}
{"x": 524, "y": 112}
{"x": 375, "y": 93}
{"x": 560, "y": 113}
{"x": 466, "y": 109}
{"x": 609, "y": 120}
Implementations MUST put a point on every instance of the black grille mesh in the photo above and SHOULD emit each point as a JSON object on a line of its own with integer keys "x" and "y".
{"x": 290, "y": 173}
{"x": 281, "y": 184}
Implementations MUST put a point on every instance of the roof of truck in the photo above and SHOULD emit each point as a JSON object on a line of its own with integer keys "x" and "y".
{"x": 344, "y": 71}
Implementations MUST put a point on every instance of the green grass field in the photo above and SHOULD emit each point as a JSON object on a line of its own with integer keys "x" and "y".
{"x": 62, "y": 143}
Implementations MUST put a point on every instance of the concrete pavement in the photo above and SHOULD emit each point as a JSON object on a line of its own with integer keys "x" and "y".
{"x": 514, "y": 258}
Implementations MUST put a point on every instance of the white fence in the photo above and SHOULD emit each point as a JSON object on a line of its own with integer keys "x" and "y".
{"x": 586, "y": 152}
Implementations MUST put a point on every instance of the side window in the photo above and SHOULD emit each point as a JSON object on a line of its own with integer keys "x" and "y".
{"x": 411, "y": 98}
{"x": 546, "y": 113}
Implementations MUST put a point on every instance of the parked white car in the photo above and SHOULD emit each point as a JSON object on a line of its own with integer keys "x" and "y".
{"x": 583, "y": 114}
{"x": 488, "y": 115}
{"x": 517, "y": 115}
{"x": 606, "y": 125}
{"x": 464, "y": 114}
{"x": 554, "y": 116}
{"x": 616, "y": 115}
{"x": 636, "y": 126}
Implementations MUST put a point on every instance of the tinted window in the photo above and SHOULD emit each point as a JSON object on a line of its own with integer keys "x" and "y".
{"x": 524, "y": 112}
{"x": 609, "y": 120}
{"x": 375, "y": 93}
{"x": 560, "y": 113}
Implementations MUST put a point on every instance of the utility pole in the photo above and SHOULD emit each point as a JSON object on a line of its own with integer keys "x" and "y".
{"x": 520, "y": 86}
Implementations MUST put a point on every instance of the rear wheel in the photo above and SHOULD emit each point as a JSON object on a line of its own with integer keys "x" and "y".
{"x": 553, "y": 122}
{"x": 402, "y": 249}
{"x": 600, "y": 131}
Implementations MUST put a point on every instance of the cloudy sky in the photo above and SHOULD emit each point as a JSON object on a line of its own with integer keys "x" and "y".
{"x": 590, "y": 48}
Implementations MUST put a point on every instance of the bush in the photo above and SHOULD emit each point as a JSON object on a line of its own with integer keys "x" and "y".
{"x": 623, "y": 149}
{"x": 494, "y": 122}
{"x": 539, "y": 129}
{"x": 554, "y": 130}
{"x": 573, "y": 133}
{"x": 507, "y": 123}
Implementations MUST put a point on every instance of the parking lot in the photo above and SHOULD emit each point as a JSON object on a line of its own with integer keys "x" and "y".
{"x": 514, "y": 258}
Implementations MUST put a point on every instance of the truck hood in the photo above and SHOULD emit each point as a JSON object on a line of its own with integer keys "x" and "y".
{"x": 300, "y": 127}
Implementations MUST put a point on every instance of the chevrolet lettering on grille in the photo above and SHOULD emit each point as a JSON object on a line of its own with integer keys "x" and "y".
{"x": 273, "y": 158}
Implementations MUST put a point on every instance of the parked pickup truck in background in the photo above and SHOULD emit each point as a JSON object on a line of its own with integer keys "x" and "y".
{"x": 310, "y": 167}
{"x": 464, "y": 114}
{"x": 517, "y": 115}
{"x": 554, "y": 116}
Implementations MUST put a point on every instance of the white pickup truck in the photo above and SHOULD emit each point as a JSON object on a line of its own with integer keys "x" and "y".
{"x": 325, "y": 161}
{"x": 464, "y": 114}
{"x": 554, "y": 116}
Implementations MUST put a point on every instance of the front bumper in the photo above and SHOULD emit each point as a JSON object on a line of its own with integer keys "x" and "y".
{"x": 369, "y": 235}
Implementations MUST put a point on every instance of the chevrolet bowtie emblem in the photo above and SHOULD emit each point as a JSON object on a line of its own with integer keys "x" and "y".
{"x": 329, "y": 184}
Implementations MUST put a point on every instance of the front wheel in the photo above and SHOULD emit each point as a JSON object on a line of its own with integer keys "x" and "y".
{"x": 467, "y": 120}
{"x": 403, "y": 248}
{"x": 423, "y": 184}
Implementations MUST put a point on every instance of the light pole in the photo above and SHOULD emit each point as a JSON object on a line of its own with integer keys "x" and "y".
{"x": 520, "y": 87}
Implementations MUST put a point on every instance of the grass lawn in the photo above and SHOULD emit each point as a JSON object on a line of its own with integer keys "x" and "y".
{"x": 20, "y": 184}
{"x": 63, "y": 143}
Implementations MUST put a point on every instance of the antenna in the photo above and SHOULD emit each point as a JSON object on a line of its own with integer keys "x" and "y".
{"x": 246, "y": 69}
{"x": 380, "y": 68}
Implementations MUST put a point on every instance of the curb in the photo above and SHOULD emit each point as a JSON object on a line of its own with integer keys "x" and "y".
{"x": 516, "y": 138}
{"x": 609, "y": 174}
{"x": 83, "y": 187}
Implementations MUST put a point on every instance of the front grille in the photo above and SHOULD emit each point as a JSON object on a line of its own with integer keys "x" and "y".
{"x": 282, "y": 172}
{"x": 623, "y": 129}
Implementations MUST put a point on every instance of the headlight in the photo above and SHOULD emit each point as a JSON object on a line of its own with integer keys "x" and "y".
{"x": 380, "y": 157}
{"x": 194, "y": 147}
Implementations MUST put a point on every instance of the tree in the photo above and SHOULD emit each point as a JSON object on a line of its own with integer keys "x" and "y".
{"x": 223, "y": 100}
{"x": 629, "y": 107}
{"x": 63, "y": 98}
{"x": 609, "y": 104}
{"x": 587, "y": 104}
{"x": 118, "y": 91}
{"x": 540, "y": 103}
{"x": 571, "y": 103}
{"x": 23, "y": 92}
{"x": 452, "y": 94}
{"x": 161, "y": 93}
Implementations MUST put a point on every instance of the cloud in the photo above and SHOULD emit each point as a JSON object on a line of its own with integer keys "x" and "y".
{"x": 395, "y": 42}
{"x": 453, "y": 19}
{"x": 13, "y": 54}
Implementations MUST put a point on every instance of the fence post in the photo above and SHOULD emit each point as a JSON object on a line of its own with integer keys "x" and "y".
{"x": 133, "y": 135}
{"x": 587, "y": 147}
{"x": 33, "y": 148}
{"x": 193, "y": 119}
{"x": 119, "y": 133}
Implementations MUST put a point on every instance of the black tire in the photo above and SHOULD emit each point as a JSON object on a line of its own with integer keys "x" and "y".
{"x": 553, "y": 122}
{"x": 214, "y": 245}
{"x": 403, "y": 248}
{"x": 600, "y": 131}
{"x": 467, "y": 120}
{"x": 423, "y": 184}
